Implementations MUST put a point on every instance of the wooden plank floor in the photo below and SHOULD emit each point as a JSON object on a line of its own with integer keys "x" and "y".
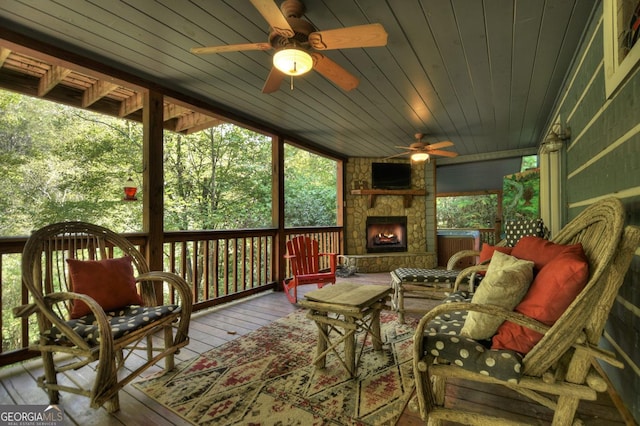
{"x": 222, "y": 324}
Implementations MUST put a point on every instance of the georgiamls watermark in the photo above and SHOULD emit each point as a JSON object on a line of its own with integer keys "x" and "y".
{"x": 31, "y": 415}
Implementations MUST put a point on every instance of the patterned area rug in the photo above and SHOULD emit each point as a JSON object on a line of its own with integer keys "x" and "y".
{"x": 266, "y": 378}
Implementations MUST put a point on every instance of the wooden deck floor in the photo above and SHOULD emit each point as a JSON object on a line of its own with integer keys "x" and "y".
{"x": 217, "y": 326}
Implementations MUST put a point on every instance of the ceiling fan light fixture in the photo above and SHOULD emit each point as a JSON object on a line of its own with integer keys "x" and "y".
{"x": 419, "y": 156}
{"x": 293, "y": 61}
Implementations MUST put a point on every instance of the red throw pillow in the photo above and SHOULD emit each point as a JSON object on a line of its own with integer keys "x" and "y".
{"x": 486, "y": 253}
{"x": 110, "y": 282}
{"x": 541, "y": 251}
{"x": 554, "y": 288}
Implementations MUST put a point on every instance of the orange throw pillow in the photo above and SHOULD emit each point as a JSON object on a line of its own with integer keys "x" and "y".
{"x": 552, "y": 291}
{"x": 541, "y": 251}
{"x": 110, "y": 282}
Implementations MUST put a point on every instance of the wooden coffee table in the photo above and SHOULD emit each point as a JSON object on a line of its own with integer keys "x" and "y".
{"x": 346, "y": 308}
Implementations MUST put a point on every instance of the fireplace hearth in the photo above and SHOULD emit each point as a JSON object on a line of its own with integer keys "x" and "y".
{"x": 386, "y": 234}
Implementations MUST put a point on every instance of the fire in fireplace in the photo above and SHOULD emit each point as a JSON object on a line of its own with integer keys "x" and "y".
{"x": 386, "y": 234}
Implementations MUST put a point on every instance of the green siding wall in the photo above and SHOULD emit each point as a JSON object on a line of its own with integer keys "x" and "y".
{"x": 603, "y": 159}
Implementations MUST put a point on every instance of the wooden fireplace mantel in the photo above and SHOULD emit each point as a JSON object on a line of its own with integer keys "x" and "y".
{"x": 373, "y": 193}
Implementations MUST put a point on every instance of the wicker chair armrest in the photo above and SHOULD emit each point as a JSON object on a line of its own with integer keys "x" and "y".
{"x": 471, "y": 270}
{"x": 456, "y": 257}
{"x": 174, "y": 280}
{"x": 184, "y": 291}
{"x": 51, "y": 299}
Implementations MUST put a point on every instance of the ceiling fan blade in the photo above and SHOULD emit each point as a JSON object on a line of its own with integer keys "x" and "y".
{"x": 231, "y": 48}
{"x": 443, "y": 153}
{"x": 397, "y": 155}
{"x": 370, "y": 35}
{"x": 411, "y": 148}
{"x": 439, "y": 145}
{"x": 334, "y": 72}
{"x": 274, "y": 80}
{"x": 272, "y": 14}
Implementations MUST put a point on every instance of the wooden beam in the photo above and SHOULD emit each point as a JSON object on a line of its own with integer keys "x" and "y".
{"x": 496, "y": 155}
{"x": 194, "y": 122}
{"x": 174, "y": 111}
{"x": 277, "y": 207}
{"x": 153, "y": 179}
{"x": 97, "y": 91}
{"x": 52, "y": 78}
{"x": 131, "y": 104}
{"x": 4, "y": 54}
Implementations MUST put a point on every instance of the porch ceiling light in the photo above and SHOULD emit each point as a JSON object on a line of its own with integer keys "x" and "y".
{"x": 419, "y": 156}
{"x": 293, "y": 61}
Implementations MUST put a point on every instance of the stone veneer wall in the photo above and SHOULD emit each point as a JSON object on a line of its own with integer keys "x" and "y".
{"x": 419, "y": 225}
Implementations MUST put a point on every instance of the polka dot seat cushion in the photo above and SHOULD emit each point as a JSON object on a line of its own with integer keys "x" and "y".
{"x": 425, "y": 276}
{"x": 122, "y": 321}
{"x": 442, "y": 339}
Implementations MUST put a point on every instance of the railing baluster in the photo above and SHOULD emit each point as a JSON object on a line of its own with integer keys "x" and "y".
{"x": 216, "y": 268}
{"x": 206, "y": 281}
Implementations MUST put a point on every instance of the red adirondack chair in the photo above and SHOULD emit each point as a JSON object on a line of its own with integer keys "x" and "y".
{"x": 304, "y": 258}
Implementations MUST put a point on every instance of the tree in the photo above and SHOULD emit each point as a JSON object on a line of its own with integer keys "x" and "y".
{"x": 310, "y": 189}
{"x": 469, "y": 211}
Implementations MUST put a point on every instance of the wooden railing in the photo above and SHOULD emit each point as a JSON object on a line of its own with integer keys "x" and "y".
{"x": 220, "y": 266}
{"x": 489, "y": 235}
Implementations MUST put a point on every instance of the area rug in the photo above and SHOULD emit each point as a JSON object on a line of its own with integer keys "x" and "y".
{"x": 267, "y": 378}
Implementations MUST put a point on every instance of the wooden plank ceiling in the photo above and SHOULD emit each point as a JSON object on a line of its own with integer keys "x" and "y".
{"x": 483, "y": 74}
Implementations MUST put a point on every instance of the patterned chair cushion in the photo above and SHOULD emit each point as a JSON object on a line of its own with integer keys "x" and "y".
{"x": 516, "y": 229}
{"x": 423, "y": 276}
{"x": 442, "y": 339}
{"x": 122, "y": 321}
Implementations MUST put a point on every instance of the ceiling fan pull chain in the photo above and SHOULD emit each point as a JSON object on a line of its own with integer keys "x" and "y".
{"x": 291, "y": 82}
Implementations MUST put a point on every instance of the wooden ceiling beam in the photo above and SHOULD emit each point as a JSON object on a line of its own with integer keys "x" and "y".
{"x": 131, "y": 104}
{"x": 98, "y": 90}
{"x": 174, "y": 111}
{"x": 4, "y": 54}
{"x": 55, "y": 75}
{"x": 194, "y": 122}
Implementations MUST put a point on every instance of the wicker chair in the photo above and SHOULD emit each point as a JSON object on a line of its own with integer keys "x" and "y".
{"x": 99, "y": 340}
{"x": 557, "y": 372}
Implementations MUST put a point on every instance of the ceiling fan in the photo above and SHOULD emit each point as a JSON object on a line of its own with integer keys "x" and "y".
{"x": 422, "y": 151}
{"x": 293, "y": 39}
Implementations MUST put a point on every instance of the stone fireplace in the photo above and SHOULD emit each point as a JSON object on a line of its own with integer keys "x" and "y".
{"x": 386, "y": 234}
{"x": 419, "y": 240}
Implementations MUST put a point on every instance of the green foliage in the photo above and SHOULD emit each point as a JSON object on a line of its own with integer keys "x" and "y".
{"x": 469, "y": 211}
{"x": 310, "y": 189}
{"x": 529, "y": 162}
{"x": 219, "y": 178}
{"x": 61, "y": 163}
{"x": 521, "y": 195}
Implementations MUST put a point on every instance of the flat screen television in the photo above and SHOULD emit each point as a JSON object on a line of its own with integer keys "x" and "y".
{"x": 391, "y": 175}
